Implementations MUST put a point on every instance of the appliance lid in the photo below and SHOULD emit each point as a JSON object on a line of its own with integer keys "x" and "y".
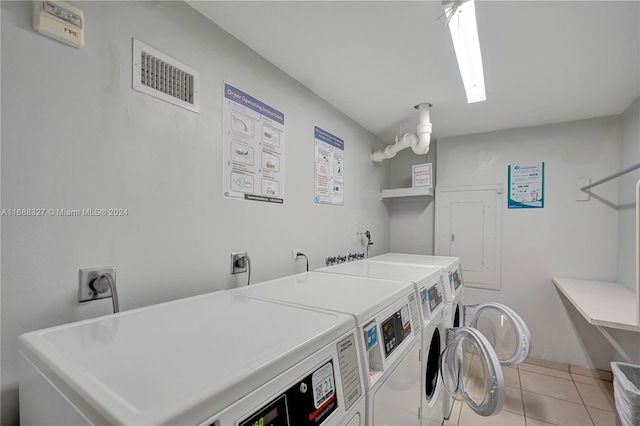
{"x": 362, "y": 297}
{"x": 450, "y": 263}
{"x": 180, "y": 361}
{"x": 418, "y": 274}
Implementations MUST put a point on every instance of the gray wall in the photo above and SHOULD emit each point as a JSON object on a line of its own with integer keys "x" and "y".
{"x": 627, "y": 232}
{"x": 630, "y": 155}
{"x": 75, "y": 135}
{"x": 411, "y": 218}
{"x": 567, "y": 238}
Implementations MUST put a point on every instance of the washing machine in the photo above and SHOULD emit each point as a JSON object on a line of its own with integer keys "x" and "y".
{"x": 456, "y": 361}
{"x": 454, "y": 285}
{"x": 504, "y": 328}
{"x": 388, "y": 333}
{"x": 216, "y": 359}
{"x": 432, "y": 325}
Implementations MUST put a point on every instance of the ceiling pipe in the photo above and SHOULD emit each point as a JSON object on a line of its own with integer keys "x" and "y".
{"x": 419, "y": 141}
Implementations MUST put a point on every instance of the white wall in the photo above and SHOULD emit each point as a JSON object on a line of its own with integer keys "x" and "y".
{"x": 74, "y": 135}
{"x": 627, "y": 232}
{"x": 627, "y": 196}
{"x": 566, "y": 238}
{"x": 412, "y": 218}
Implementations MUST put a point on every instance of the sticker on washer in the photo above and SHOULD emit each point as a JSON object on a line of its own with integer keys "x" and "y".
{"x": 404, "y": 313}
{"x": 349, "y": 370}
{"x": 323, "y": 384}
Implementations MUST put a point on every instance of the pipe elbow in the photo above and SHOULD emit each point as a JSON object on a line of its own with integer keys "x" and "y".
{"x": 422, "y": 145}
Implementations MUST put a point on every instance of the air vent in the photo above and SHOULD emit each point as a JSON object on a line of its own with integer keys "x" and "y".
{"x": 162, "y": 77}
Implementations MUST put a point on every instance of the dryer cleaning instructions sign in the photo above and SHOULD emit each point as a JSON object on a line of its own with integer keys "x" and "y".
{"x": 526, "y": 186}
{"x": 253, "y": 148}
{"x": 329, "y": 168}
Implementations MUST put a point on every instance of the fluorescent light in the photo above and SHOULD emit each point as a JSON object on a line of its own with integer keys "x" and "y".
{"x": 464, "y": 33}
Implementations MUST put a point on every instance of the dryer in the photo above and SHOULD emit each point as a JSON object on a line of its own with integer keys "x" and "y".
{"x": 216, "y": 359}
{"x": 504, "y": 328}
{"x": 388, "y": 333}
{"x": 433, "y": 325}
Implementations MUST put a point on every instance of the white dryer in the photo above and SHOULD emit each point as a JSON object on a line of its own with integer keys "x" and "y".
{"x": 504, "y": 328}
{"x": 432, "y": 324}
{"x": 216, "y": 359}
{"x": 388, "y": 326}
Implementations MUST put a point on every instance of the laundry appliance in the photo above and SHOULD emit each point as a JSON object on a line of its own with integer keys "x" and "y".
{"x": 388, "y": 333}
{"x": 454, "y": 285}
{"x": 216, "y": 359}
{"x": 432, "y": 326}
{"x": 429, "y": 283}
{"x": 504, "y": 328}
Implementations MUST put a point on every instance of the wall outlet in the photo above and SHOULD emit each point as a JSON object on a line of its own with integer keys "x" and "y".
{"x": 294, "y": 253}
{"x": 86, "y": 276}
{"x": 238, "y": 262}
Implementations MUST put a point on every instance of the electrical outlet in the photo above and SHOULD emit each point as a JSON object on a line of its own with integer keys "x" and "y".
{"x": 85, "y": 278}
{"x": 238, "y": 262}
{"x": 294, "y": 253}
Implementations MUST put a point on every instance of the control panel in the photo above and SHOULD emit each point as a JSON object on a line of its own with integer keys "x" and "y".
{"x": 456, "y": 278}
{"x": 308, "y": 402}
{"x": 395, "y": 329}
{"x": 431, "y": 297}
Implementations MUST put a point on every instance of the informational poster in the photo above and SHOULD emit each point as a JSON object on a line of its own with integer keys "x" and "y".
{"x": 526, "y": 186}
{"x": 422, "y": 175}
{"x": 329, "y": 168}
{"x": 253, "y": 148}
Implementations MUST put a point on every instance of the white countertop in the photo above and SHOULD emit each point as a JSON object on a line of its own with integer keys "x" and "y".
{"x": 602, "y": 303}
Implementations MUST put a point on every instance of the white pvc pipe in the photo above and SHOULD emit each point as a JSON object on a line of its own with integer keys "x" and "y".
{"x": 419, "y": 142}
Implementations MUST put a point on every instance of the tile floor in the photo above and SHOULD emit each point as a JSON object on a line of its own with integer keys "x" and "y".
{"x": 543, "y": 393}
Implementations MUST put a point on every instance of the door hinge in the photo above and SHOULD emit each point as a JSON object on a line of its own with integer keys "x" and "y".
{"x": 419, "y": 413}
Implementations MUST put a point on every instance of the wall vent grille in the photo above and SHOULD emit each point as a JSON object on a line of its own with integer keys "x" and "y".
{"x": 161, "y": 76}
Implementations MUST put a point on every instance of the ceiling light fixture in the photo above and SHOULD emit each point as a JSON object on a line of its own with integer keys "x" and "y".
{"x": 461, "y": 20}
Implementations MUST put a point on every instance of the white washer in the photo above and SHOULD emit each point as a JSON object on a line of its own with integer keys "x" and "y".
{"x": 432, "y": 325}
{"x": 216, "y": 359}
{"x": 504, "y": 328}
{"x": 454, "y": 285}
{"x": 388, "y": 326}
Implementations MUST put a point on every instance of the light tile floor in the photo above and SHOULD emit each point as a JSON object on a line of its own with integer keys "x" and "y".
{"x": 542, "y": 393}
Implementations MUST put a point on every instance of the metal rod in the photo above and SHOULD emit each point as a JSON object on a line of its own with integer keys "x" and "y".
{"x": 615, "y": 344}
{"x": 613, "y": 176}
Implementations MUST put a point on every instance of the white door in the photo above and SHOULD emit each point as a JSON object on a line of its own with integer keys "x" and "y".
{"x": 471, "y": 371}
{"x": 505, "y": 330}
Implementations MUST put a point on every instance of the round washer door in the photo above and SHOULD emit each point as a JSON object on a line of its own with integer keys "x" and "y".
{"x": 504, "y": 329}
{"x": 471, "y": 371}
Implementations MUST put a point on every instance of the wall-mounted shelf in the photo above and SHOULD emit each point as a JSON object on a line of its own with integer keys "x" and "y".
{"x": 422, "y": 191}
{"x": 603, "y": 304}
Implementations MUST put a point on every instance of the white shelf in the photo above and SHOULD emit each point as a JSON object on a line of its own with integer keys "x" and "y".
{"x": 421, "y": 191}
{"x": 601, "y": 303}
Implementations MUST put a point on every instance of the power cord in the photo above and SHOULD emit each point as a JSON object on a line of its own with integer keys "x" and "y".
{"x": 298, "y": 254}
{"x": 248, "y": 269}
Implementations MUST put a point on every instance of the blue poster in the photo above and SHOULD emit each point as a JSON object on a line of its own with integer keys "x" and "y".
{"x": 526, "y": 186}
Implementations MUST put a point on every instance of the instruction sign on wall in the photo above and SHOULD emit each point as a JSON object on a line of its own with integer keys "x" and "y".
{"x": 253, "y": 148}
{"x": 526, "y": 186}
{"x": 329, "y": 168}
